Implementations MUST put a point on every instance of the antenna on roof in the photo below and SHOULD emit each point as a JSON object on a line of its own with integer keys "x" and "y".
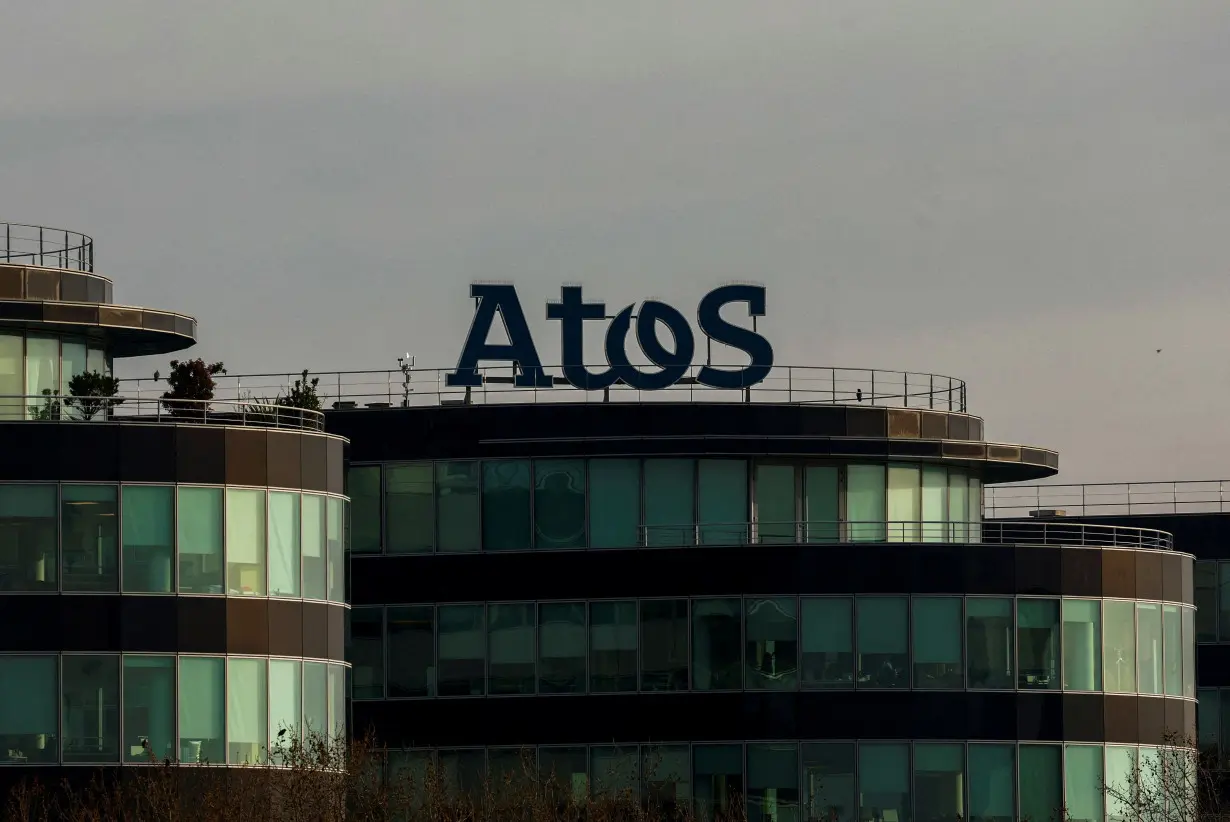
{"x": 406, "y": 364}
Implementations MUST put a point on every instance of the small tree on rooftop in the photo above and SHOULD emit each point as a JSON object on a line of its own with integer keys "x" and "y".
{"x": 191, "y": 386}
{"x": 93, "y": 391}
{"x": 302, "y": 394}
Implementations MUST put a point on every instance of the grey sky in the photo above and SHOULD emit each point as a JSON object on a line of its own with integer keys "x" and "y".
{"x": 1033, "y": 196}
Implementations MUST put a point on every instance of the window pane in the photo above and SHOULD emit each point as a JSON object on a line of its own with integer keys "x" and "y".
{"x": 1149, "y": 646}
{"x": 1042, "y": 782}
{"x": 669, "y": 500}
{"x": 335, "y": 548}
{"x": 772, "y": 782}
{"x": 717, "y": 779}
{"x": 614, "y": 503}
{"x": 1206, "y": 601}
{"x": 884, "y": 780}
{"x": 285, "y": 705}
{"x": 463, "y": 772}
{"x": 664, "y": 645}
{"x": 722, "y": 501}
{"x": 1038, "y": 643}
{"x": 463, "y": 640}
{"x": 316, "y": 700}
{"x": 667, "y": 771}
{"x": 42, "y": 371}
{"x": 828, "y": 642}
{"x": 12, "y": 377}
{"x": 988, "y": 642}
{"x": 881, "y": 642}
{"x": 958, "y": 505}
{"x": 561, "y": 648}
{"x": 408, "y": 507}
{"x": 865, "y": 503}
{"x": 458, "y": 518}
{"x": 28, "y": 717}
{"x": 28, "y": 537}
{"x": 284, "y": 524}
{"x": 506, "y": 505}
{"x": 559, "y": 503}
{"x": 247, "y": 694}
{"x": 1122, "y": 794}
{"x": 934, "y": 503}
{"x": 149, "y": 708}
{"x": 1208, "y": 723}
{"x": 337, "y": 701}
{"x": 772, "y": 644}
{"x": 312, "y": 536}
{"x": 245, "y": 542}
{"x": 1223, "y": 712}
{"x": 1082, "y": 637}
{"x": 510, "y": 645}
{"x": 822, "y": 502}
{"x": 904, "y": 503}
{"x": 775, "y": 503}
{"x": 1172, "y": 644}
{"x": 616, "y": 770}
{"x": 939, "y": 782}
{"x": 412, "y": 651}
{"x": 72, "y": 363}
{"x": 202, "y": 709}
{"x": 366, "y": 652}
{"x": 992, "y": 771}
{"x": 1224, "y": 601}
{"x": 1119, "y": 654}
{"x": 363, "y": 487}
{"x": 97, "y": 360}
{"x": 566, "y": 770}
{"x": 937, "y": 642}
{"x": 1189, "y": 653}
{"x": 717, "y": 639}
{"x": 91, "y": 708}
{"x": 1083, "y": 780}
{"x": 612, "y": 646}
{"x": 149, "y": 541}
{"x": 828, "y": 782}
{"x": 89, "y": 541}
{"x": 975, "y": 509}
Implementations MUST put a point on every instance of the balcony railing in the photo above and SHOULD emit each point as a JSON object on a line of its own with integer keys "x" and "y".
{"x": 83, "y": 410}
{"x": 989, "y": 533}
{"x": 1108, "y": 499}
{"x": 42, "y": 246}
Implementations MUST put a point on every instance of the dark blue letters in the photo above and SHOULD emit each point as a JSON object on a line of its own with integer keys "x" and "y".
{"x": 757, "y": 348}
{"x": 519, "y": 350}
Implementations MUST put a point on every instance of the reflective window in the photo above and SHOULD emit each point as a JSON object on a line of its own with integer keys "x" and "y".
{"x": 410, "y": 526}
{"x": 934, "y": 503}
{"x": 776, "y": 517}
{"x": 612, "y": 646}
{"x": 717, "y": 779}
{"x": 884, "y": 780}
{"x": 506, "y": 505}
{"x": 90, "y": 541}
{"x": 772, "y": 782}
{"x": 828, "y": 642}
{"x": 12, "y": 376}
{"x": 1206, "y": 601}
{"x": 316, "y": 700}
{"x": 148, "y": 530}
{"x": 366, "y": 652}
{"x": 245, "y": 542}
{"x": 616, "y": 770}
{"x": 149, "y": 708}
{"x": 822, "y": 503}
{"x": 828, "y": 782}
{"x": 1149, "y": 646}
{"x": 865, "y": 503}
{"x": 1172, "y": 646}
{"x": 312, "y": 538}
{"x": 29, "y": 720}
{"x": 458, "y": 515}
{"x": 91, "y": 708}
{"x": 567, "y": 770}
{"x": 28, "y": 537}
{"x": 412, "y": 651}
{"x": 1083, "y": 780}
{"x": 1041, "y": 782}
{"x": 462, "y": 641}
{"x": 939, "y": 782}
{"x": 1082, "y": 635}
{"x": 614, "y": 502}
{"x": 202, "y": 709}
{"x": 510, "y": 648}
{"x": 335, "y": 549}
{"x": 881, "y": 641}
{"x": 975, "y": 509}
{"x": 717, "y": 642}
{"x": 667, "y": 773}
{"x": 1037, "y": 637}
{"x": 559, "y": 503}
{"x": 1119, "y": 651}
{"x": 284, "y": 523}
{"x": 337, "y": 700}
{"x": 958, "y": 505}
{"x": 669, "y": 500}
{"x": 1223, "y": 712}
{"x": 937, "y": 642}
{"x": 1121, "y": 788}
{"x": 1208, "y": 722}
{"x": 463, "y": 771}
{"x": 42, "y": 372}
{"x": 992, "y": 770}
{"x": 1189, "y": 652}
{"x": 247, "y": 704}
{"x": 72, "y": 363}
{"x": 904, "y": 503}
{"x": 285, "y": 704}
{"x": 722, "y": 501}
{"x": 772, "y": 644}
{"x": 1223, "y": 599}
{"x": 363, "y": 488}
{"x": 97, "y": 360}
{"x": 664, "y": 645}
{"x": 988, "y": 642}
{"x": 561, "y": 648}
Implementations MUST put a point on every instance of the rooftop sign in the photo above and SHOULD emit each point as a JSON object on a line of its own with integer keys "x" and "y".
{"x": 572, "y": 311}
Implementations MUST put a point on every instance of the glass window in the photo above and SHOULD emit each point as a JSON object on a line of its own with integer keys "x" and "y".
{"x": 148, "y": 529}
{"x": 722, "y": 501}
{"x": 285, "y": 704}
{"x": 1223, "y": 601}
{"x": 247, "y": 694}
{"x": 316, "y": 701}
{"x": 822, "y": 501}
{"x": 904, "y": 503}
{"x": 1037, "y": 637}
{"x": 337, "y": 700}
{"x": 566, "y": 770}
{"x": 335, "y": 548}
{"x": 772, "y": 782}
{"x": 828, "y": 642}
{"x": 89, "y": 541}
{"x": 12, "y": 376}
{"x": 614, "y": 503}
{"x": 1208, "y": 722}
{"x": 939, "y": 782}
{"x": 937, "y": 642}
{"x": 772, "y": 644}
{"x": 28, "y": 538}
{"x": 1172, "y": 645}
{"x": 776, "y": 517}
{"x": 1042, "y": 782}
{"x": 97, "y": 360}
{"x": 559, "y": 504}
{"x": 992, "y": 772}
{"x": 510, "y": 647}
{"x": 717, "y": 779}
{"x": 312, "y": 537}
{"x": 612, "y": 646}
{"x": 363, "y": 487}
{"x": 1223, "y": 712}
{"x": 1206, "y": 601}
{"x": 958, "y": 505}
{"x": 458, "y": 515}
{"x": 463, "y": 772}
{"x": 670, "y": 494}
{"x": 1122, "y": 795}
{"x": 865, "y": 502}
{"x": 884, "y": 781}
{"x": 511, "y": 770}
{"x": 463, "y": 640}
{"x": 988, "y": 642}
{"x": 1149, "y": 646}
{"x": 366, "y": 652}
{"x": 412, "y": 651}
{"x": 1119, "y": 653}
{"x": 934, "y": 503}
{"x": 975, "y": 509}
{"x": 561, "y": 648}
{"x": 667, "y": 771}
{"x": 828, "y": 782}
{"x": 506, "y": 505}
{"x": 42, "y": 372}
{"x": 882, "y": 642}
{"x": 149, "y": 708}
{"x": 664, "y": 645}
{"x": 1082, "y": 636}
{"x": 72, "y": 363}
{"x": 245, "y": 542}
{"x": 616, "y": 770}
{"x": 1083, "y": 780}
{"x": 408, "y": 508}
{"x": 717, "y": 641}
{"x": 91, "y": 708}
{"x": 29, "y": 720}
{"x": 202, "y": 709}
{"x": 284, "y": 523}
{"x": 1189, "y": 652}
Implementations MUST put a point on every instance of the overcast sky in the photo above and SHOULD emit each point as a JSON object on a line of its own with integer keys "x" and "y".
{"x": 1032, "y": 196}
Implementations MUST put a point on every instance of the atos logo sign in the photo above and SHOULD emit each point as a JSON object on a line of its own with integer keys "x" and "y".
{"x": 572, "y": 311}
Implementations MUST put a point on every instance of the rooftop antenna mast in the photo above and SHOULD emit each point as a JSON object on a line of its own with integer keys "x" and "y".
{"x": 406, "y": 364}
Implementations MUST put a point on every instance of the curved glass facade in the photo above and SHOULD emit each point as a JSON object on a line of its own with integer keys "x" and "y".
{"x": 34, "y": 362}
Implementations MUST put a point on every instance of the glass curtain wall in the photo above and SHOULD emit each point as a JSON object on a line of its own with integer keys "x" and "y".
{"x": 33, "y": 363}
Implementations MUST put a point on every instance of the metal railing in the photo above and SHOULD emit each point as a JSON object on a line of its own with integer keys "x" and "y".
{"x": 1043, "y": 532}
{"x": 48, "y": 247}
{"x": 791, "y": 384}
{"x": 49, "y": 407}
{"x": 1108, "y": 498}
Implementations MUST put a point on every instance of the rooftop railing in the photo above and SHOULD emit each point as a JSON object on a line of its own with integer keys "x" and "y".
{"x": 792, "y": 384}
{"x": 1108, "y": 499}
{"x": 992, "y": 533}
{"x": 22, "y": 244}
{"x": 49, "y": 407}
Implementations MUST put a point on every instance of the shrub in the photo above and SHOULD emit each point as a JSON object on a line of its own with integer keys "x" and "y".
{"x": 93, "y": 391}
{"x": 191, "y": 387}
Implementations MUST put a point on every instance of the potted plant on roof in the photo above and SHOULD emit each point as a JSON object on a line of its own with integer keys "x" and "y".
{"x": 92, "y": 392}
{"x": 191, "y": 387}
